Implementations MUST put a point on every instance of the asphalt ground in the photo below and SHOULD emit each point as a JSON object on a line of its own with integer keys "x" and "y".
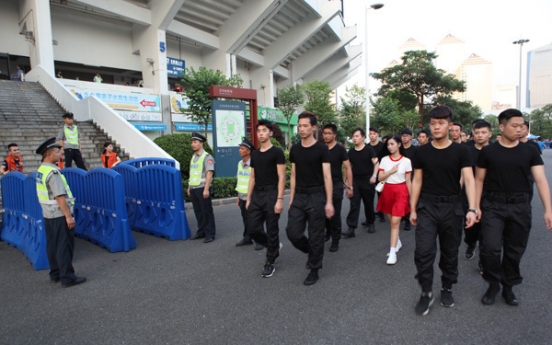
{"x": 187, "y": 292}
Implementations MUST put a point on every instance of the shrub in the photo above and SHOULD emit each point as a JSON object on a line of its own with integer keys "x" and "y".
{"x": 179, "y": 147}
{"x": 222, "y": 187}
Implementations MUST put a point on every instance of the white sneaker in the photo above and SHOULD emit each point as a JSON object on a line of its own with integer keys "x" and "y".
{"x": 391, "y": 259}
{"x": 281, "y": 245}
{"x": 399, "y": 245}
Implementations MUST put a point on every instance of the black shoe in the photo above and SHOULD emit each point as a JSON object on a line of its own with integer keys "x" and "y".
{"x": 446, "y": 298}
{"x": 509, "y": 296}
{"x": 407, "y": 225}
{"x": 312, "y": 278}
{"x": 76, "y": 281}
{"x": 197, "y": 237}
{"x": 490, "y": 295}
{"x": 365, "y": 223}
{"x": 334, "y": 247}
{"x": 259, "y": 246}
{"x": 470, "y": 251}
{"x": 328, "y": 236}
{"x": 209, "y": 240}
{"x": 243, "y": 242}
{"x": 371, "y": 228}
{"x": 426, "y": 300}
{"x": 55, "y": 280}
{"x": 350, "y": 232}
{"x": 268, "y": 270}
{"x": 382, "y": 218}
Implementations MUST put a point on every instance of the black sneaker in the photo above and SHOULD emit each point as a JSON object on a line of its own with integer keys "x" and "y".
{"x": 328, "y": 236}
{"x": 350, "y": 232}
{"x": 509, "y": 296}
{"x": 407, "y": 225}
{"x": 446, "y": 298}
{"x": 490, "y": 295}
{"x": 312, "y": 278}
{"x": 334, "y": 247}
{"x": 470, "y": 251}
{"x": 371, "y": 228}
{"x": 426, "y": 300}
{"x": 268, "y": 270}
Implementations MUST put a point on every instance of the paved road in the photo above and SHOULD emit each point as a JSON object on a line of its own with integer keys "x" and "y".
{"x": 187, "y": 292}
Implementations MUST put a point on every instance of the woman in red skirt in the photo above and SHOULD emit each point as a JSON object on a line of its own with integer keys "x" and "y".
{"x": 395, "y": 170}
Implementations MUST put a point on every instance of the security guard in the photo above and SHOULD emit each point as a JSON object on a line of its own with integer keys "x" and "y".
{"x": 56, "y": 200}
{"x": 242, "y": 186}
{"x": 202, "y": 168}
{"x": 69, "y": 139}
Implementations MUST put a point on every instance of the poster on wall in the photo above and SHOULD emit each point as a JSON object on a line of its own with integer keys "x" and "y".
{"x": 228, "y": 131}
{"x": 124, "y": 101}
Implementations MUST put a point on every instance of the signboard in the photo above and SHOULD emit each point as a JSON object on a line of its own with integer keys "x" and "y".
{"x": 175, "y": 67}
{"x": 178, "y": 102}
{"x": 192, "y": 127}
{"x": 124, "y": 101}
{"x": 150, "y": 126}
{"x": 141, "y": 116}
{"x": 228, "y": 131}
{"x": 276, "y": 115}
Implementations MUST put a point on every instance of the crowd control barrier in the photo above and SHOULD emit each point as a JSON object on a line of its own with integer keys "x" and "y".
{"x": 23, "y": 225}
{"x": 155, "y": 198}
{"x": 100, "y": 212}
{"x": 141, "y": 162}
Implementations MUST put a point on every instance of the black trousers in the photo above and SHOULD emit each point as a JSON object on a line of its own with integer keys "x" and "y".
{"x": 74, "y": 154}
{"x": 443, "y": 219}
{"x": 504, "y": 235}
{"x": 203, "y": 210}
{"x": 244, "y": 215}
{"x": 261, "y": 210}
{"x": 308, "y": 208}
{"x": 333, "y": 225}
{"x": 365, "y": 191}
{"x": 60, "y": 244}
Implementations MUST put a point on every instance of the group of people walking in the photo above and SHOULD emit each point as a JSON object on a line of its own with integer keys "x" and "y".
{"x": 441, "y": 187}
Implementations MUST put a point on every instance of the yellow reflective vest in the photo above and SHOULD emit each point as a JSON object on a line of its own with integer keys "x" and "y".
{"x": 244, "y": 174}
{"x": 42, "y": 189}
{"x": 196, "y": 169}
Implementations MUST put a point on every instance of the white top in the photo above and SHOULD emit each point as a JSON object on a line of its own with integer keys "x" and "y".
{"x": 405, "y": 167}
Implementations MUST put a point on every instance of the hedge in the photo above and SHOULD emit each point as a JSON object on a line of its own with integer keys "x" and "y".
{"x": 179, "y": 146}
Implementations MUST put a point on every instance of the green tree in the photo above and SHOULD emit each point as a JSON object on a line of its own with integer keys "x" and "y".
{"x": 541, "y": 121}
{"x": 318, "y": 101}
{"x": 386, "y": 115}
{"x": 352, "y": 111}
{"x": 289, "y": 98}
{"x": 417, "y": 75}
{"x": 407, "y": 101}
{"x": 493, "y": 121}
{"x": 463, "y": 112}
{"x": 198, "y": 94}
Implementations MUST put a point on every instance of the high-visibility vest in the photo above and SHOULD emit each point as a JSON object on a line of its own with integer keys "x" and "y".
{"x": 244, "y": 174}
{"x": 71, "y": 136}
{"x": 196, "y": 168}
{"x": 42, "y": 190}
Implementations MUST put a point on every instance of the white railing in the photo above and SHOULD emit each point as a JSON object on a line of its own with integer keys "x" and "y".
{"x": 91, "y": 108}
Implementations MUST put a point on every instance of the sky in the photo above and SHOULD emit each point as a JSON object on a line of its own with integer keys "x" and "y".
{"x": 488, "y": 27}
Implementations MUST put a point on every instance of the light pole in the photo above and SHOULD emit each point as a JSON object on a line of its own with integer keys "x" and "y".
{"x": 520, "y": 42}
{"x": 375, "y": 7}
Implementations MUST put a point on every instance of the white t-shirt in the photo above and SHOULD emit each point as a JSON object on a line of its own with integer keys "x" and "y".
{"x": 405, "y": 167}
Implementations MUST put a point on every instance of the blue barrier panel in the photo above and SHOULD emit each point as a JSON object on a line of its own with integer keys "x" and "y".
{"x": 160, "y": 203}
{"x": 102, "y": 214}
{"x": 13, "y": 228}
{"x": 145, "y": 161}
{"x": 128, "y": 173}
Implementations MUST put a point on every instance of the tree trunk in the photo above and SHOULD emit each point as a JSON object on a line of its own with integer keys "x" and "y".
{"x": 421, "y": 108}
{"x": 289, "y": 136}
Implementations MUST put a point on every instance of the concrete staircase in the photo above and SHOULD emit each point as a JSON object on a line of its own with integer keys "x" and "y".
{"x": 28, "y": 116}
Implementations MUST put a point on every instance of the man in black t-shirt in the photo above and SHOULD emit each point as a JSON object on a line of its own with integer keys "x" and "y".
{"x": 338, "y": 158}
{"x": 365, "y": 165}
{"x": 265, "y": 195}
{"x": 311, "y": 194}
{"x": 377, "y": 146}
{"x": 436, "y": 208}
{"x": 410, "y": 153}
{"x": 503, "y": 169}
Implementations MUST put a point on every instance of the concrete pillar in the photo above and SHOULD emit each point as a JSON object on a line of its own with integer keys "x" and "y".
{"x": 36, "y": 15}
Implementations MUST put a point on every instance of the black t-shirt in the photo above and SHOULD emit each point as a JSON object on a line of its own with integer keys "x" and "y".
{"x": 338, "y": 154}
{"x": 442, "y": 168}
{"x": 410, "y": 152}
{"x": 470, "y": 143}
{"x": 533, "y": 144}
{"x": 377, "y": 148}
{"x": 264, "y": 163}
{"x": 361, "y": 161}
{"x": 308, "y": 164}
{"x": 508, "y": 167}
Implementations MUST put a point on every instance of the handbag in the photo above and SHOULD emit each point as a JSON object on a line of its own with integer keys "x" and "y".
{"x": 379, "y": 186}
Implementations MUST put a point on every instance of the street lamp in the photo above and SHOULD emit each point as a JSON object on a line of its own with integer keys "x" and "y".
{"x": 374, "y": 7}
{"x": 520, "y": 42}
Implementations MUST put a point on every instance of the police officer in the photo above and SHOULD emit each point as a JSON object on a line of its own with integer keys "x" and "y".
{"x": 202, "y": 168}
{"x": 502, "y": 175}
{"x": 56, "y": 200}
{"x": 242, "y": 185}
{"x": 69, "y": 139}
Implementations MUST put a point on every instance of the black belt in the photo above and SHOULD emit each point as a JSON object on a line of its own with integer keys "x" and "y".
{"x": 438, "y": 198}
{"x": 503, "y": 199}
{"x": 311, "y": 190}
{"x": 266, "y": 188}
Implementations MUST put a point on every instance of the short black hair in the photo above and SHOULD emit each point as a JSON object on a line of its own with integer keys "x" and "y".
{"x": 265, "y": 123}
{"x": 459, "y": 125}
{"x": 463, "y": 131}
{"x": 482, "y": 124}
{"x": 476, "y": 121}
{"x": 310, "y": 116}
{"x": 362, "y": 132}
{"x": 526, "y": 123}
{"x": 373, "y": 129}
{"x": 423, "y": 131}
{"x": 330, "y": 126}
{"x": 507, "y": 114}
{"x": 441, "y": 112}
{"x": 12, "y": 145}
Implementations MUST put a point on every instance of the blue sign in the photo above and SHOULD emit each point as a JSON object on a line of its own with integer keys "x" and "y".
{"x": 228, "y": 131}
{"x": 162, "y": 47}
{"x": 192, "y": 127}
{"x": 175, "y": 67}
{"x": 150, "y": 126}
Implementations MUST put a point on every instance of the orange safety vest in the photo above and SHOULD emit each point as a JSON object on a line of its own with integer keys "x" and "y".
{"x": 13, "y": 165}
{"x": 111, "y": 159}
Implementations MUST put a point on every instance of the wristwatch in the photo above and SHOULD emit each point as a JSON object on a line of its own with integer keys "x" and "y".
{"x": 472, "y": 210}
{"x": 351, "y": 188}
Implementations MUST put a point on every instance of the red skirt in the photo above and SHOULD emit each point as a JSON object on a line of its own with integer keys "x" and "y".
{"x": 394, "y": 200}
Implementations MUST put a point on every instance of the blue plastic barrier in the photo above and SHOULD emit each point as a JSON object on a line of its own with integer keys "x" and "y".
{"x": 13, "y": 228}
{"x": 128, "y": 172}
{"x": 145, "y": 161}
{"x": 155, "y": 194}
{"x": 100, "y": 211}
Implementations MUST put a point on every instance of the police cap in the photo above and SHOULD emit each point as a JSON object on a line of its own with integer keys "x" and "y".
{"x": 68, "y": 115}
{"x": 48, "y": 144}
{"x": 197, "y": 136}
{"x": 247, "y": 143}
